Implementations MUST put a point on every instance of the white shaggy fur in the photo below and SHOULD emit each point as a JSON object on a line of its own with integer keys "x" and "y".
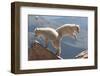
{"x": 48, "y": 34}
{"x": 68, "y": 30}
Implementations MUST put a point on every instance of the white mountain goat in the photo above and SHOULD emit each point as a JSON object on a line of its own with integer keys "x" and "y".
{"x": 68, "y": 30}
{"x": 49, "y": 34}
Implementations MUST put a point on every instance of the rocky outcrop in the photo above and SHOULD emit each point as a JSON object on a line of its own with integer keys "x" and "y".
{"x": 38, "y": 52}
{"x": 83, "y": 54}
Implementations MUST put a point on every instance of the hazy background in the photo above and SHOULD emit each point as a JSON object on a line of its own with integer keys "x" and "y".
{"x": 70, "y": 47}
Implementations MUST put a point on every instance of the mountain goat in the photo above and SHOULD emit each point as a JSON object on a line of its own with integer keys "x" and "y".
{"x": 49, "y": 34}
{"x": 68, "y": 30}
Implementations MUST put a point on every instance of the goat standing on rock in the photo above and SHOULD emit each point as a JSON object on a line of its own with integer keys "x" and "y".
{"x": 49, "y": 34}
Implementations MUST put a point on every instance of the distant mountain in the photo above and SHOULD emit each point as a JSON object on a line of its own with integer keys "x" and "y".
{"x": 38, "y": 21}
